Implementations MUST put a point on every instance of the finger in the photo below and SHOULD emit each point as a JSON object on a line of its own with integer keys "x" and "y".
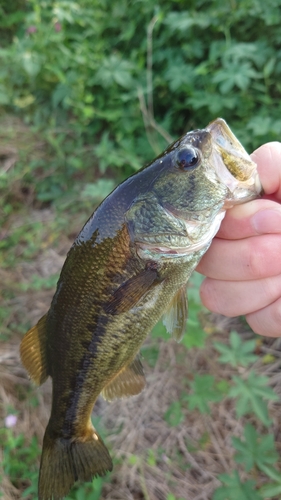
{"x": 268, "y": 159}
{"x": 267, "y": 321}
{"x": 233, "y": 298}
{"x": 250, "y": 219}
{"x": 242, "y": 260}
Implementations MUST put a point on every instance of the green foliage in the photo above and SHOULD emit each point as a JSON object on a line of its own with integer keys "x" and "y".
{"x": 234, "y": 488}
{"x": 194, "y": 336}
{"x": 251, "y": 394}
{"x": 39, "y": 282}
{"x": 255, "y": 450}
{"x": 90, "y": 491}
{"x": 150, "y": 354}
{"x": 174, "y": 415}
{"x": 159, "y": 331}
{"x": 98, "y": 190}
{"x": 204, "y": 390}
{"x": 79, "y": 72}
{"x": 238, "y": 353}
{"x": 271, "y": 489}
{"x": 172, "y": 497}
{"x": 151, "y": 458}
{"x": 20, "y": 458}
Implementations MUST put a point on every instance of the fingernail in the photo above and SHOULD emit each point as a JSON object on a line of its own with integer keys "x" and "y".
{"x": 267, "y": 221}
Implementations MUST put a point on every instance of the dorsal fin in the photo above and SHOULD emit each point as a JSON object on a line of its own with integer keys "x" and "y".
{"x": 128, "y": 382}
{"x": 175, "y": 317}
{"x": 33, "y": 352}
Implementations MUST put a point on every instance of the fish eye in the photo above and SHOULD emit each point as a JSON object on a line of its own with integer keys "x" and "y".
{"x": 187, "y": 158}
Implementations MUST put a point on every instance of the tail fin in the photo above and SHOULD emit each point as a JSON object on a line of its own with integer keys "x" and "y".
{"x": 65, "y": 461}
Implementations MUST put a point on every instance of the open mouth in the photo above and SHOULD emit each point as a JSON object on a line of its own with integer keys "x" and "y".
{"x": 233, "y": 165}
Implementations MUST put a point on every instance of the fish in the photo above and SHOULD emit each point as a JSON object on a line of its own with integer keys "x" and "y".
{"x": 128, "y": 268}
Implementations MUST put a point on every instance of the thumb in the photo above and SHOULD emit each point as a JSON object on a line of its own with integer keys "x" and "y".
{"x": 268, "y": 159}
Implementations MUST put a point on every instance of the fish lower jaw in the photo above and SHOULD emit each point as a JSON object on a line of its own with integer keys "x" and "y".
{"x": 241, "y": 195}
{"x": 208, "y": 231}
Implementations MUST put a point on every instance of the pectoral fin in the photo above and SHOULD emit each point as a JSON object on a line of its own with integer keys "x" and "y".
{"x": 33, "y": 352}
{"x": 128, "y": 382}
{"x": 175, "y": 317}
{"x": 132, "y": 291}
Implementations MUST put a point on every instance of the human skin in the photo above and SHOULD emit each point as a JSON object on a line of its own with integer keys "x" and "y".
{"x": 243, "y": 264}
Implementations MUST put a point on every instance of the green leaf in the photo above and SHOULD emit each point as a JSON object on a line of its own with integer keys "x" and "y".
{"x": 160, "y": 331}
{"x": 151, "y": 458}
{"x": 271, "y": 489}
{"x": 204, "y": 390}
{"x": 272, "y": 473}
{"x": 4, "y": 95}
{"x": 31, "y": 63}
{"x": 133, "y": 460}
{"x": 115, "y": 70}
{"x": 194, "y": 336}
{"x": 150, "y": 354}
{"x": 194, "y": 284}
{"x": 170, "y": 496}
{"x": 178, "y": 79}
{"x": 269, "y": 67}
{"x": 235, "y": 74}
{"x": 235, "y": 489}
{"x": 250, "y": 394}
{"x": 98, "y": 190}
{"x": 255, "y": 450}
{"x": 60, "y": 93}
{"x": 182, "y": 21}
{"x": 174, "y": 415}
{"x": 239, "y": 353}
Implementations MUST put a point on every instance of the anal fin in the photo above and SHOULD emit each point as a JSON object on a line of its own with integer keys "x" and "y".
{"x": 175, "y": 316}
{"x": 33, "y": 352}
{"x": 128, "y": 382}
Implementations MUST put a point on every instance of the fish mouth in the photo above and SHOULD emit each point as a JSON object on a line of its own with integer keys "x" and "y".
{"x": 234, "y": 167}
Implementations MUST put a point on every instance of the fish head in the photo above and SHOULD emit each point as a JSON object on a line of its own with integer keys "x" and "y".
{"x": 192, "y": 184}
{"x": 205, "y": 168}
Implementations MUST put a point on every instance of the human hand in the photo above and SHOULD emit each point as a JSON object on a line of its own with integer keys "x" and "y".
{"x": 243, "y": 264}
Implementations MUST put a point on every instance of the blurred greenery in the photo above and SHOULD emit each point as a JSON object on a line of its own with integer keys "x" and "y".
{"x": 108, "y": 83}
{"x": 99, "y": 89}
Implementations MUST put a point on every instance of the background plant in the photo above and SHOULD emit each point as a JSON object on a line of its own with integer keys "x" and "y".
{"x": 103, "y": 89}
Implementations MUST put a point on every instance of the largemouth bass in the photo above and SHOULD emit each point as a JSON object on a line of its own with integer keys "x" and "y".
{"x": 128, "y": 267}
